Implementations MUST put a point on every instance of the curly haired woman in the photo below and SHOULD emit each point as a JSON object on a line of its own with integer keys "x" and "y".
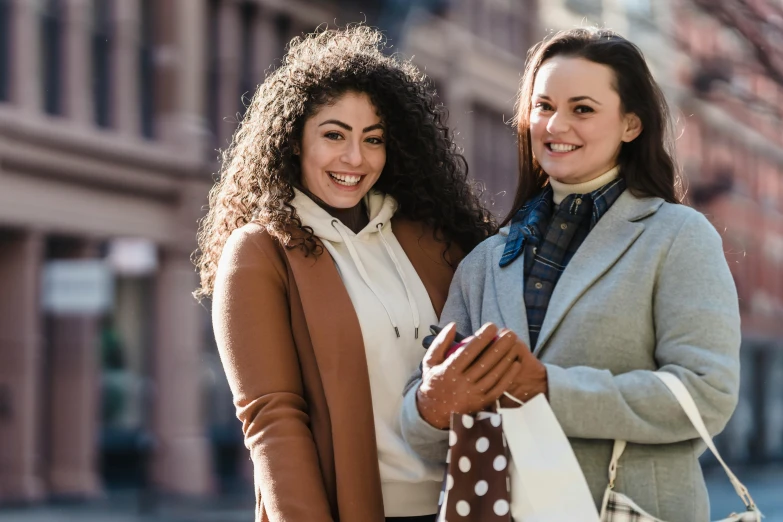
{"x": 331, "y": 239}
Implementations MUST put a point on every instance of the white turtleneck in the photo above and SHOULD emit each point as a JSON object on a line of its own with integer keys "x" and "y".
{"x": 563, "y": 190}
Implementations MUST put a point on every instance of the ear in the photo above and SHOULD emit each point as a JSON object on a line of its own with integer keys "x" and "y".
{"x": 295, "y": 148}
{"x": 633, "y": 127}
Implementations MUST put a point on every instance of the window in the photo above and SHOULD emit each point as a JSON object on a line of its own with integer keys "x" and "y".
{"x": 504, "y": 24}
{"x": 495, "y": 164}
{"x": 102, "y": 46}
{"x": 52, "y": 14}
{"x": 5, "y": 50}
{"x": 212, "y": 42}
{"x": 639, "y": 7}
{"x": 147, "y": 70}
{"x": 589, "y": 8}
{"x": 283, "y": 30}
{"x": 247, "y": 85}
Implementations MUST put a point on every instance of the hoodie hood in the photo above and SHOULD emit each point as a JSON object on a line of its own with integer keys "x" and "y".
{"x": 335, "y": 234}
{"x": 380, "y": 208}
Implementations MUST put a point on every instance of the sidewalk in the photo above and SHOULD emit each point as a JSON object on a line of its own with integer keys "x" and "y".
{"x": 130, "y": 507}
{"x": 766, "y": 486}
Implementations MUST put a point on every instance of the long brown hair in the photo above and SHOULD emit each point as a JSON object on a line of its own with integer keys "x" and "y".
{"x": 424, "y": 171}
{"x": 647, "y": 162}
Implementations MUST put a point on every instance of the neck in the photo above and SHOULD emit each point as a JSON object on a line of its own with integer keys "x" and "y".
{"x": 563, "y": 190}
{"x": 355, "y": 218}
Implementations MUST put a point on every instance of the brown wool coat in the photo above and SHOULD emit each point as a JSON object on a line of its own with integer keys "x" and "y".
{"x": 292, "y": 349}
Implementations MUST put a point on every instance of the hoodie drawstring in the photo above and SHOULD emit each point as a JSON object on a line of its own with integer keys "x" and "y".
{"x": 411, "y": 300}
{"x": 360, "y": 266}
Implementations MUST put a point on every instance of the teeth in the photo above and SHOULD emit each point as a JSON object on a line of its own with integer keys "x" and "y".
{"x": 344, "y": 179}
{"x": 562, "y": 147}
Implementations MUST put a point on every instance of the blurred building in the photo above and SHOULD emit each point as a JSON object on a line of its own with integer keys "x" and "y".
{"x": 475, "y": 53}
{"x": 729, "y": 125}
{"x": 102, "y": 132}
{"x": 111, "y": 114}
{"x": 110, "y": 111}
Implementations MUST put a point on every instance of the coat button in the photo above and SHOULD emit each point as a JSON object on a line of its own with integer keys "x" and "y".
{"x": 564, "y": 226}
{"x": 539, "y": 286}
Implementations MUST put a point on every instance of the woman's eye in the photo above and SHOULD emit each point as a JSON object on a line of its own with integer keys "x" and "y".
{"x": 583, "y": 109}
{"x": 375, "y": 141}
{"x": 332, "y": 136}
{"x": 544, "y": 106}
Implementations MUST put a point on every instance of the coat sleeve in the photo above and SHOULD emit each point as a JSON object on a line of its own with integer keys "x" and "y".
{"x": 428, "y": 442}
{"x": 252, "y": 326}
{"x": 697, "y": 329}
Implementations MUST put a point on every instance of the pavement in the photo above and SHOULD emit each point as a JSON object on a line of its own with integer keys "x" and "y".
{"x": 765, "y": 485}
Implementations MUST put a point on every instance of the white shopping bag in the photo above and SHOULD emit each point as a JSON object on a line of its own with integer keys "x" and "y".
{"x": 547, "y": 484}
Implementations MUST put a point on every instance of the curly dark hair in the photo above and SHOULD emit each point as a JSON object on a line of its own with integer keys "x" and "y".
{"x": 424, "y": 171}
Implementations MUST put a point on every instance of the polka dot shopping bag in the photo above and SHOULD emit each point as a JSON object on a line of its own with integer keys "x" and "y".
{"x": 476, "y": 487}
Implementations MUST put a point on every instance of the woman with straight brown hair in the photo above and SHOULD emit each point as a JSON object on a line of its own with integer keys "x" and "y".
{"x": 606, "y": 279}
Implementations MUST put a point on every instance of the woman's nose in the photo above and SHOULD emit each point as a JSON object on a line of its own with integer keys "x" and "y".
{"x": 352, "y": 155}
{"x": 557, "y": 123}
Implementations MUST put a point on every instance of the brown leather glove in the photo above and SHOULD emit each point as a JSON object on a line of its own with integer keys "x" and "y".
{"x": 529, "y": 381}
{"x": 470, "y": 379}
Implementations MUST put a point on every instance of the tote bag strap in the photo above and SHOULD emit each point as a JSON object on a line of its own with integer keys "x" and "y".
{"x": 617, "y": 452}
{"x": 692, "y": 411}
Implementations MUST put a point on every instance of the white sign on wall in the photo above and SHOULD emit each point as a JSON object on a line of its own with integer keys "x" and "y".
{"x": 132, "y": 256}
{"x": 77, "y": 287}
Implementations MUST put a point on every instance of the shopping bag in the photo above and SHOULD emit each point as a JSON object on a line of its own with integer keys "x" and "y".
{"x": 547, "y": 484}
{"x": 476, "y": 487}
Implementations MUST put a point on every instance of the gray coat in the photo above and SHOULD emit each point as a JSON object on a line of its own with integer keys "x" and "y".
{"x": 649, "y": 289}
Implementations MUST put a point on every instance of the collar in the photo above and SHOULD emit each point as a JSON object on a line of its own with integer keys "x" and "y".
{"x": 529, "y": 224}
{"x": 562, "y": 190}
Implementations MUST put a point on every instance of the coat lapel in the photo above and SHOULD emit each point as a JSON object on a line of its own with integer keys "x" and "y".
{"x": 510, "y": 291}
{"x": 339, "y": 351}
{"x": 612, "y": 236}
{"x": 338, "y": 347}
{"x": 426, "y": 256}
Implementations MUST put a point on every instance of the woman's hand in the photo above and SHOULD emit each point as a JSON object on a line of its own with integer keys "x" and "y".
{"x": 529, "y": 381}
{"x": 471, "y": 378}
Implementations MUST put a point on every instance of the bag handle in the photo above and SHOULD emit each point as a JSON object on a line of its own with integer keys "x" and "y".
{"x": 685, "y": 399}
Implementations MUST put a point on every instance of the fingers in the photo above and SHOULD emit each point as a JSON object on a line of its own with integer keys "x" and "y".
{"x": 436, "y": 351}
{"x": 503, "y": 349}
{"x": 504, "y": 383}
{"x": 491, "y": 378}
{"x": 464, "y": 358}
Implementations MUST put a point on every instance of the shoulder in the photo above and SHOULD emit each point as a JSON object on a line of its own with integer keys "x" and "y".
{"x": 483, "y": 254}
{"x": 683, "y": 235}
{"x": 248, "y": 246}
{"x": 682, "y": 214}
{"x": 415, "y": 235}
{"x": 683, "y": 222}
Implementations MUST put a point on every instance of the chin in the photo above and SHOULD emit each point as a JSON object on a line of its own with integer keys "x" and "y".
{"x": 343, "y": 201}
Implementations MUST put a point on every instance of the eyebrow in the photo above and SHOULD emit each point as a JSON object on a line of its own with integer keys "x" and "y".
{"x": 572, "y": 100}
{"x": 349, "y": 128}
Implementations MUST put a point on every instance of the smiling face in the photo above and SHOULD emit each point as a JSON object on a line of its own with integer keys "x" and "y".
{"x": 343, "y": 150}
{"x": 576, "y": 121}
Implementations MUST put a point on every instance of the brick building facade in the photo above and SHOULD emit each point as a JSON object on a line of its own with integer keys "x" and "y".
{"x": 111, "y": 114}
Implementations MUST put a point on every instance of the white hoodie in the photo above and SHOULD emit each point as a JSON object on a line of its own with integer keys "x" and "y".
{"x": 394, "y": 312}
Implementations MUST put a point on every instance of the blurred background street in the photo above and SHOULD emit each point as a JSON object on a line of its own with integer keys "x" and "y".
{"x": 113, "y": 403}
